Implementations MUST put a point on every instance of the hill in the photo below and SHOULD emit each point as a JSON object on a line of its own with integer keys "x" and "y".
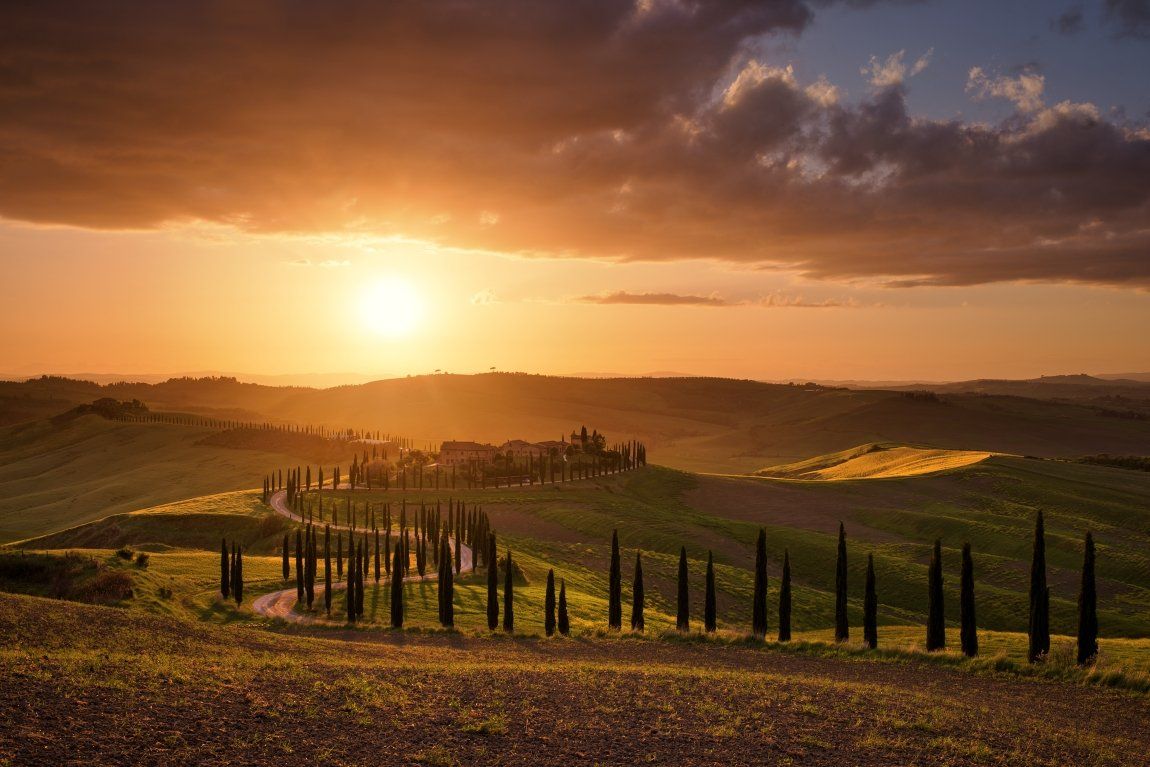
{"x": 875, "y": 461}
{"x": 699, "y": 424}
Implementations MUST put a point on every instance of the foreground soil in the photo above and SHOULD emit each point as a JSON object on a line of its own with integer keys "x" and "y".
{"x": 83, "y": 685}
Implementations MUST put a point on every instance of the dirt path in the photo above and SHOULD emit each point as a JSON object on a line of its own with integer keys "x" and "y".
{"x": 281, "y": 604}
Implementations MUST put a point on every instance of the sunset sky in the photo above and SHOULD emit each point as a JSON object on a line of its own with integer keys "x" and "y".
{"x": 833, "y": 190}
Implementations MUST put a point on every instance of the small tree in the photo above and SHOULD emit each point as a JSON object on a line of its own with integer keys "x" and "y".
{"x": 870, "y": 607}
{"x": 286, "y": 559}
{"x": 842, "y": 626}
{"x": 637, "y": 596}
{"x": 564, "y": 623}
{"x": 225, "y": 570}
{"x": 397, "y": 590}
{"x": 968, "y": 633}
{"x": 615, "y": 587}
{"x": 1039, "y": 624}
{"x": 508, "y": 597}
{"x": 683, "y": 613}
{"x": 759, "y": 597}
{"x": 492, "y": 584}
{"x": 936, "y": 617}
{"x": 549, "y": 605}
{"x": 785, "y": 599}
{"x": 709, "y": 608}
{"x": 1087, "y": 607}
{"x": 238, "y": 577}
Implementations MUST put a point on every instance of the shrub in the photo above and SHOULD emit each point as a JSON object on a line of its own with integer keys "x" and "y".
{"x": 142, "y": 560}
{"x": 126, "y": 553}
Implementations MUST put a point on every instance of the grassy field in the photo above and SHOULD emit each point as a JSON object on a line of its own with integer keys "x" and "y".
{"x": 876, "y": 461}
{"x": 86, "y": 685}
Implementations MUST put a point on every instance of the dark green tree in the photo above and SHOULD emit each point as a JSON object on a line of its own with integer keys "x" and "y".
{"x": 710, "y": 621}
{"x": 238, "y": 577}
{"x": 683, "y": 612}
{"x": 225, "y": 570}
{"x": 1039, "y": 624}
{"x": 936, "y": 616}
{"x": 549, "y": 605}
{"x": 968, "y": 633}
{"x": 564, "y": 623}
{"x": 327, "y": 570}
{"x": 448, "y": 590}
{"x": 352, "y": 612}
{"x": 842, "y": 625}
{"x": 397, "y": 589}
{"x": 1087, "y": 607}
{"x": 637, "y": 596}
{"x": 508, "y": 597}
{"x": 615, "y": 587}
{"x": 785, "y": 599}
{"x": 299, "y": 573}
{"x": 870, "y": 607}
{"x": 759, "y": 596}
{"x": 286, "y": 558}
{"x": 492, "y": 584}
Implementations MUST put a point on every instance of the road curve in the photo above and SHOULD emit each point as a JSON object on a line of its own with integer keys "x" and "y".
{"x": 281, "y": 604}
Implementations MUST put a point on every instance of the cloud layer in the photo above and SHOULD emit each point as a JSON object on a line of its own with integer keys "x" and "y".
{"x": 591, "y": 129}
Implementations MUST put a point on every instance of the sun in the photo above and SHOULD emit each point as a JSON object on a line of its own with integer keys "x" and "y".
{"x": 391, "y": 307}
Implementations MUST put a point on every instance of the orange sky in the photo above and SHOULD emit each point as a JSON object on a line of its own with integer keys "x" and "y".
{"x": 720, "y": 188}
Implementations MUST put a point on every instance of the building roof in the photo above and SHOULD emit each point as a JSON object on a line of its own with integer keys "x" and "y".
{"x": 465, "y": 446}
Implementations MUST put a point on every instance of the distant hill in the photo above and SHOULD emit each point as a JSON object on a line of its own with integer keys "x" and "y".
{"x": 1128, "y": 392}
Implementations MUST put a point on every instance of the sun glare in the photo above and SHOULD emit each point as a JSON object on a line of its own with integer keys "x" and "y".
{"x": 391, "y": 307}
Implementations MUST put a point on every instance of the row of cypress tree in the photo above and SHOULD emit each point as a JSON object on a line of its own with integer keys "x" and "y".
{"x": 231, "y": 571}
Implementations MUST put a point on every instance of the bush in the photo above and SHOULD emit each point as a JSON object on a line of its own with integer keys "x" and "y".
{"x": 142, "y": 560}
{"x": 124, "y": 552}
{"x": 165, "y": 592}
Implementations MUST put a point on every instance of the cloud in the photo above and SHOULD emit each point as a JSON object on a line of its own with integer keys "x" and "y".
{"x": 1131, "y": 17}
{"x": 652, "y": 299}
{"x": 1025, "y": 90}
{"x": 485, "y": 297}
{"x": 330, "y": 263}
{"x": 1069, "y": 22}
{"x": 893, "y": 71}
{"x": 784, "y": 301}
{"x": 598, "y": 129}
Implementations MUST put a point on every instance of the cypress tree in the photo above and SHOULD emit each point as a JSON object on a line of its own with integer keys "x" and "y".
{"x": 968, "y": 634}
{"x": 377, "y": 573}
{"x": 1087, "y": 607}
{"x": 439, "y": 574}
{"x": 637, "y": 596}
{"x": 549, "y": 605}
{"x": 508, "y": 598}
{"x": 397, "y": 590}
{"x": 870, "y": 607}
{"x": 448, "y": 592}
{"x": 709, "y": 619}
{"x": 361, "y": 575}
{"x": 327, "y": 570}
{"x": 564, "y": 623}
{"x": 225, "y": 570}
{"x": 1039, "y": 624}
{"x": 238, "y": 579}
{"x": 339, "y": 556}
{"x": 615, "y": 587}
{"x": 759, "y": 598}
{"x": 842, "y": 626}
{"x": 936, "y": 617}
{"x": 458, "y": 554}
{"x": 309, "y": 569}
{"x": 492, "y": 584}
{"x": 298, "y": 565}
{"x": 683, "y": 614}
{"x": 351, "y": 600}
{"x": 286, "y": 561}
{"x": 785, "y": 599}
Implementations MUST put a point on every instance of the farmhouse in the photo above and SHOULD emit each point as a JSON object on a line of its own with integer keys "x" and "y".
{"x": 457, "y": 453}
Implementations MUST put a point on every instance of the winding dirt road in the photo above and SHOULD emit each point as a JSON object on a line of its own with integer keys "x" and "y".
{"x": 281, "y": 604}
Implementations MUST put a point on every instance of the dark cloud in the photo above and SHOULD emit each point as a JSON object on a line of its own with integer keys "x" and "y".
{"x": 652, "y": 299}
{"x": 1069, "y": 22}
{"x": 589, "y": 129}
{"x": 1131, "y": 17}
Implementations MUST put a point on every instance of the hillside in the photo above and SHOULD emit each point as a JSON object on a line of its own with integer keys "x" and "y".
{"x": 700, "y": 424}
{"x": 875, "y": 461}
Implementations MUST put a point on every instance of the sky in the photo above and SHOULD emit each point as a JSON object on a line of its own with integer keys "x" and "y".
{"x": 776, "y": 190}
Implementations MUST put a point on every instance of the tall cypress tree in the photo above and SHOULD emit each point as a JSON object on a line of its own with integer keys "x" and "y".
{"x": 327, "y": 569}
{"x": 968, "y": 634}
{"x": 870, "y": 607}
{"x": 397, "y": 590}
{"x": 709, "y": 608}
{"x": 492, "y": 584}
{"x": 361, "y": 574}
{"x": 615, "y": 587}
{"x": 508, "y": 597}
{"x": 377, "y": 573}
{"x": 1087, "y": 607}
{"x": 286, "y": 560}
{"x": 309, "y": 569}
{"x": 440, "y": 552}
{"x": 448, "y": 592}
{"x": 564, "y": 623}
{"x": 759, "y": 596}
{"x": 1039, "y": 624}
{"x": 683, "y": 613}
{"x": 842, "y": 626}
{"x": 352, "y": 612}
{"x": 225, "y": 570}
{"x": 549, "y": 605}
{"x": 936, "y": 617}
{"x": 785, "y": 599}
{"x": 299, "y": 574}
{"x": 637, "y": 596}
{"x": 238, "y": 577}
